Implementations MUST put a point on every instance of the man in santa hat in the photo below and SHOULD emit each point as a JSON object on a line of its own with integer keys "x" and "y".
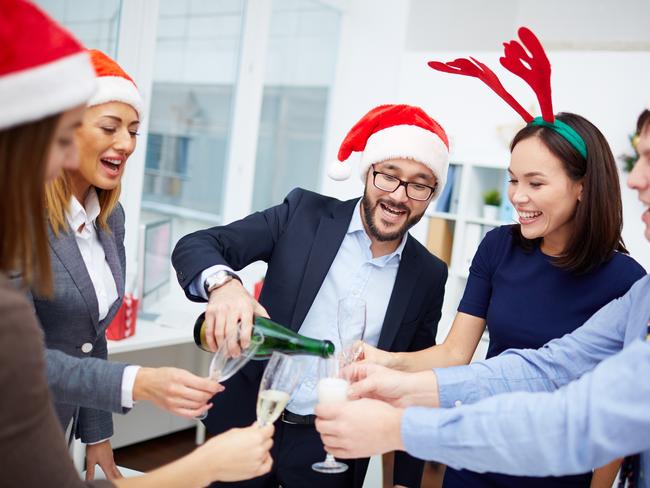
{"x": 320, "y": 250}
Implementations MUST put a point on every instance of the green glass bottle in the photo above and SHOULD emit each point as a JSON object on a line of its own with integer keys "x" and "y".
{"x": 276, "y": 338}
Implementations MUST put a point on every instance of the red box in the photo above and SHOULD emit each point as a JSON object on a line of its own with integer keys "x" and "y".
{"x": 257, "y": 289}
{"x": 123, "y": 324}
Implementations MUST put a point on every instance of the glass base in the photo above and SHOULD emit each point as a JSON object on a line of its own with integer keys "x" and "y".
{"x": 330, "y": 467}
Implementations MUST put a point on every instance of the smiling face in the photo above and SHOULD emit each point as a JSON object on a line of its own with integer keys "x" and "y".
{"x": 105, "y": 140}
{"x": 543, "y": 194}
{"x": 388, "y": 216}
{"x": 639, "y": 178}
{"x": 62, "y": 153}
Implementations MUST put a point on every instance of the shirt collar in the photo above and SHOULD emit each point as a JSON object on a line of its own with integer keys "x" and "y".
{"x": 356, "y": 225}
{"x": 78, "y": 214}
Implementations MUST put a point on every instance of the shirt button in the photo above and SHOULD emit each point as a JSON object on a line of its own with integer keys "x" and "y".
{"x": 457, "y": 403}
{"x": 86, "y": 347}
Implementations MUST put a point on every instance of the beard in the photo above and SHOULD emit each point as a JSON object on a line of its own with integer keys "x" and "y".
{"x": 369, "y": 209}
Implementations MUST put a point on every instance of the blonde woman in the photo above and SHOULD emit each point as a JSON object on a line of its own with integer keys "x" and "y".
{"x": 46, "y": 79}
{"x": 86, "y": 236}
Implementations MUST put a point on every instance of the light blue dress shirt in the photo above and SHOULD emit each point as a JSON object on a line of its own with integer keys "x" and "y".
{"x": 354, "y": 272}
{"x": 592, "y": 403}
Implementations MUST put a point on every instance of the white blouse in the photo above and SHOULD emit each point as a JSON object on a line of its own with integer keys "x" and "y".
{"x": 91, "y": 250}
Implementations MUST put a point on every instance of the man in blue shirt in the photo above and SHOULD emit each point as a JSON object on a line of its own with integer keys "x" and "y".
{"x": 319, "y": 250}
{"x": 575, "y": 404}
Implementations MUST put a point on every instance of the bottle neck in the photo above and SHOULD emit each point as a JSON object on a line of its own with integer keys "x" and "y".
{"x": 273, "y": 331}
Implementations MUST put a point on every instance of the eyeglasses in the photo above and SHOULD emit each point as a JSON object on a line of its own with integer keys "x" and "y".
{"x": 390, "y": 183}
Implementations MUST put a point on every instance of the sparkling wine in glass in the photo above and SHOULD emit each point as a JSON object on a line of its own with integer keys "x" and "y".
{"x": 223, "y": 367}
{"x": 280, "y": 378}
{"x": 331, "y": 389}
{"x": 351, "y": 322}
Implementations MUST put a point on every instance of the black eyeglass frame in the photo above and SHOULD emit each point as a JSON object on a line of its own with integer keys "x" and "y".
{"x": 403, "y": 183}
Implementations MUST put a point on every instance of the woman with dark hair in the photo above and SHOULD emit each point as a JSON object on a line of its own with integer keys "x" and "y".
{"x": 542, "y": 278}
{"x": 45, "y": 80}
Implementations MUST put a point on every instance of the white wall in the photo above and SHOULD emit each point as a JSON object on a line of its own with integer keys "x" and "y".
{"x": 370, "y": 50}
{"x": 474, "y": 25}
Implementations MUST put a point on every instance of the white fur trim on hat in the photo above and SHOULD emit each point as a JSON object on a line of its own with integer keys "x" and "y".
{"x": 408, "y": 142}
{"x": 339, "y": 170}
{"x": 36, "y": 93}
{"x": 117, "y": 89}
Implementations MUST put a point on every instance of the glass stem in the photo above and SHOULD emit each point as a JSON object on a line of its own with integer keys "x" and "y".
{"x": 329, "y": 459}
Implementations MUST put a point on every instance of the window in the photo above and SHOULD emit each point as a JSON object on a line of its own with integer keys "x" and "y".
{"x": 94, "y": 22}
{"x": 300, "y": 66}
{"x": 195, "y": 72}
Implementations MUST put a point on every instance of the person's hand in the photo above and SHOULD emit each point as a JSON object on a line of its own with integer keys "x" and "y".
{"x": 102, "y": 454}
{"x": 394, "y": 387}
{"x": 373, "y": 355}
{"x": 359, "y": 428}
{"x": 176, "y": 390}
{"x": 229, "y": 317}
{"x": 240, "y": 454}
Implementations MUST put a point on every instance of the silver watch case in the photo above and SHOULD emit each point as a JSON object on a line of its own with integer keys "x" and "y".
{"x": 216, "y": 280}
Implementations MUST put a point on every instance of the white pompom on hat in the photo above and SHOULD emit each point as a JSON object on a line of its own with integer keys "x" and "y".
{"x": 114, "y": 84}
{"x": 44, "y": 70}
{"x": 392, "y": 132}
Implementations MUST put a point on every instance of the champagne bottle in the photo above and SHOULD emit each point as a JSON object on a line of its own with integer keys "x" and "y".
{"x": 276, "y": 338}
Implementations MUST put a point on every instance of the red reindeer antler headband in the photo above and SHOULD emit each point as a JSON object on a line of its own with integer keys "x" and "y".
{"x": 533, "y": 68}
{"x": 537, "y": 74}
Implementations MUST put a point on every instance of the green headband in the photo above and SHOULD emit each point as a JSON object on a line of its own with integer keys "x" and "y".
{"x": 565, "y": 131}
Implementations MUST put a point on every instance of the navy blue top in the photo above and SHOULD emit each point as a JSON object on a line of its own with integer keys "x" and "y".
{"x": 527, "y": 301}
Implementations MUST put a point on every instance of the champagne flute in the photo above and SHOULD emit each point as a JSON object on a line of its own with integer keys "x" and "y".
{"x": 331, "y": 389}
{"x": 280, "y": 378}
{"x": 351, "y": 321}
{"x": 223, "y": 367}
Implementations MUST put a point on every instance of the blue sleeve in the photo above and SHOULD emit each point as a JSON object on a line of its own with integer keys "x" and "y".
{"x": 478, "y": 290}
{"x": 586, "y": 424}
{"x": 548, "y": 368}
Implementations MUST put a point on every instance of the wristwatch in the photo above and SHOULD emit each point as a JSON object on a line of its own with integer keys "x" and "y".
{"x": 215, "y": 280}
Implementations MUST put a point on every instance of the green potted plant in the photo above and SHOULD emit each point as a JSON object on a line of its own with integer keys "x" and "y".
{"x": 629, "y": 160}
{"x": 491, "y": 202}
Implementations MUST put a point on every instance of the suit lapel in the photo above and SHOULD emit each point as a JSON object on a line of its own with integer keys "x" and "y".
{"x": 66, "y": 249}
{"x": 407, "y": 276}
{"x": 110, "y": 250}
{"x": 327, "y": 241}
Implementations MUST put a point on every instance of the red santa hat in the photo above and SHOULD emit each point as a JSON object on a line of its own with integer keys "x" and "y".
{"x": 44, "y": 70}
{"x": 391, "y": 132}
{"x": 115, "y": 85}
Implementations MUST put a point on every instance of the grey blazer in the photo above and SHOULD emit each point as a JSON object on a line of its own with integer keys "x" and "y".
{"x": 74, "y": 333}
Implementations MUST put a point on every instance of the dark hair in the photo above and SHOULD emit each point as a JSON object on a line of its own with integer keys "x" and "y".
{"x": 23, "y": 234}
{"x": 598, "y": 218}
{"x": 643, "y": 121}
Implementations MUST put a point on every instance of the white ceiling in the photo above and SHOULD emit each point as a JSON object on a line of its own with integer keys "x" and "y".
{"x": 620, "y": 25}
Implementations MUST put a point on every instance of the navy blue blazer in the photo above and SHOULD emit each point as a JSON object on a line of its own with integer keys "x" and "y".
{"x": 299, "y": 240}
